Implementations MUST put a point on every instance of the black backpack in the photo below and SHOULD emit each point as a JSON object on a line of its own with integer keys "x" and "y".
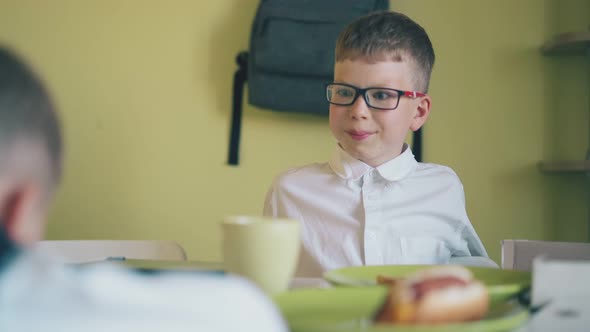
{"x": 291, "y": 56}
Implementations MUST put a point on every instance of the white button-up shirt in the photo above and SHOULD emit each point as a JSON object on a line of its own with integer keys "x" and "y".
{"x": 401, "y": 212}
{"x": 39, "y": 294}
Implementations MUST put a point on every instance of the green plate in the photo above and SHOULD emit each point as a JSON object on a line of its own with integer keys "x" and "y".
{"x": 501, "y": 284}
{"x": 352, "y": 308}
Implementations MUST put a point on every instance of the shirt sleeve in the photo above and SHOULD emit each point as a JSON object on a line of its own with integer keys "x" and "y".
{"x": 276, "y": 203}
{"x": 472, "y": 245}
{"x": 270, "y": 203}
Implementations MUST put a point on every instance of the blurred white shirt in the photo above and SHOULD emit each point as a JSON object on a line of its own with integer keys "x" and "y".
{"x": 37, "y": 294}
{"x": 401, "y": 212}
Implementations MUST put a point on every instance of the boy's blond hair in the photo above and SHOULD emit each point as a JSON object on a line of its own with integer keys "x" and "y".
{"x": 388, "y": 36}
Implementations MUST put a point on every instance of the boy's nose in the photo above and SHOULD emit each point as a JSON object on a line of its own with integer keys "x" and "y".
{"x": 359, "y": 109}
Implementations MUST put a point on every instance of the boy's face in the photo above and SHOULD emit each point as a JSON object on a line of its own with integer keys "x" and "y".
{"x": 376, "y": 136}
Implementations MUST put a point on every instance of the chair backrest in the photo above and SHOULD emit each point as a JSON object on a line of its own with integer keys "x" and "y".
{"x": 519, "y": 254}
{"x": 83, "y": 251}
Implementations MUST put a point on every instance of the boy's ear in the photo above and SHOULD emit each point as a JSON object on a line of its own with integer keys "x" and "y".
{"x": 422, "y": 112}
{"x": 18, "y": 211}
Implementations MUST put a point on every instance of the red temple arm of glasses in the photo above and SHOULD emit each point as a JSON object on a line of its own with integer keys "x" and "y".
{"x": 414, "y": 94}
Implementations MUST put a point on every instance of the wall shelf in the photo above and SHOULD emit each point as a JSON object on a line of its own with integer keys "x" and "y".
{"x": 572, "y": 166}
{"x": 567, "y": 44}
{"x": 571, "y": 43}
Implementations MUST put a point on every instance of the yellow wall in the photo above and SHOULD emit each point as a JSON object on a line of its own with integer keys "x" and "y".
{"x": 144, "y": 88}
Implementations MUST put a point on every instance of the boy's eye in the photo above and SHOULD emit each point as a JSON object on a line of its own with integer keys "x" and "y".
{"x": 382, "y": 95}
{"x": 342, "y": 92}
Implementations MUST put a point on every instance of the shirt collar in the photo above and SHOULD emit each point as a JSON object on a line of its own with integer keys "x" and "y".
{"x": 347, "y": 167}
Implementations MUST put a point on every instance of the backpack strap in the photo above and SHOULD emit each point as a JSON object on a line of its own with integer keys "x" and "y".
{"x": 417, "y": 145}
{"x": 240, "y": 78}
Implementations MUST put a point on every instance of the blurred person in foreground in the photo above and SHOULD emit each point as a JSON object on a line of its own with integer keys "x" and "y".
{"x": 40, "y": 294}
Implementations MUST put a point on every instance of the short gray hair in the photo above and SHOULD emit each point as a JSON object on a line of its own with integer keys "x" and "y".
{"x": 26, "y": 110}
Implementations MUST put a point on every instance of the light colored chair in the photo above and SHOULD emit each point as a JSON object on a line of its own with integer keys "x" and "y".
{"x": 519, "y": 254}
{"x": 84, "y": 251}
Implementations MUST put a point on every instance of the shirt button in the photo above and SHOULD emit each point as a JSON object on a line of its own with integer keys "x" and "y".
{"x": 371, "y": 235}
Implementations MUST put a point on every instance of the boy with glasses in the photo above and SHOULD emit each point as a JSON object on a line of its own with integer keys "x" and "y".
{"x": 373, "y": 203}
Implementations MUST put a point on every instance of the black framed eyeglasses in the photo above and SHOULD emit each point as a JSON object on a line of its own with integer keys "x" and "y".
{"x": 377, "y": 98}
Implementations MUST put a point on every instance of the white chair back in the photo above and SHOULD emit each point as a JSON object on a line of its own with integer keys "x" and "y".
{"x": 519, "y": 254}
{"x": 84, "y": 251}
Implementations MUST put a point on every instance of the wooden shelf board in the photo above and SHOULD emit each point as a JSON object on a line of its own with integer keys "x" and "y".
{"x": 570, "y": 43}
{"x": 565, "y": 166}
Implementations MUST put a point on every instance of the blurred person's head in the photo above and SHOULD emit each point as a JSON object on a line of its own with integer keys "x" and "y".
{"x": 30, "y": 151}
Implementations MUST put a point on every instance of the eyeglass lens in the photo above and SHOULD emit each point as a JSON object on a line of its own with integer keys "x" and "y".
{"x": 374, "y": 97}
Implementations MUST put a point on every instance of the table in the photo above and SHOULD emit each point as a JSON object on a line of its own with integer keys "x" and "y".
{"x": 569, "y": 313}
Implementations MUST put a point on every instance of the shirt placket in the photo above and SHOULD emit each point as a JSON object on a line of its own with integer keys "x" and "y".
{"x": 371, "y": 207}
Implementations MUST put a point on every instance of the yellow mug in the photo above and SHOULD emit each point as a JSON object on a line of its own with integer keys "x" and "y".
{"x": 264, "y": 250}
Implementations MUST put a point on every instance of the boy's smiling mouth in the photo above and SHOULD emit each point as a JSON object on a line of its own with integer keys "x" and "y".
{"x": 359, "y": 134}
